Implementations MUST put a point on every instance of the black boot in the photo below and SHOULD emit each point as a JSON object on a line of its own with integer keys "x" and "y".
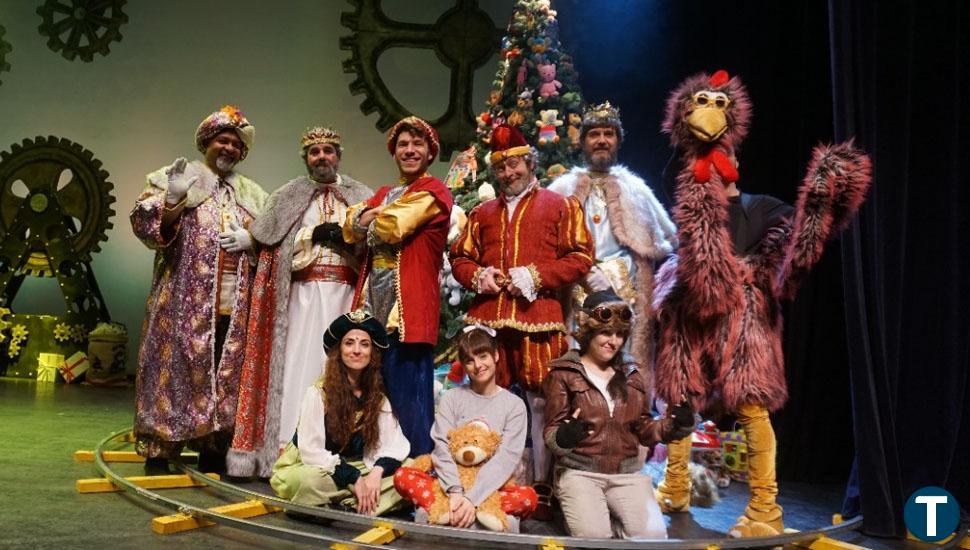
{"x": 212, "y": 462}
{"x": 156, "y": 466}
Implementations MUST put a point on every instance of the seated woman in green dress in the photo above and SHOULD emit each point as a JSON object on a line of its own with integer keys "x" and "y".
{"x": 348, "y": 443}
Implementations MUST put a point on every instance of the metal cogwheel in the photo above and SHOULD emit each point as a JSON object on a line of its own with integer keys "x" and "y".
{"x": 463, "y": 38}
{"x": 63, "y": 180}
{"x": 81, "y": 28}
{"x": 78, "y": 333}
{"x": 5, "y": 48}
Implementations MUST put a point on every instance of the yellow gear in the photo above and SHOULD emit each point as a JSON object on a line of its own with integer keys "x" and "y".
{"x": 62, "y": 332}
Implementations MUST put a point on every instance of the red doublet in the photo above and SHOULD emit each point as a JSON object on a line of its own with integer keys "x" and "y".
{"x": 547, "y": 233}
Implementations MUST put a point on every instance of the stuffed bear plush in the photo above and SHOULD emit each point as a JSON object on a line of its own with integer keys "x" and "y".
{"x": 548, "y": 124}
{"x": 574, "y": 131}
{"x": 547, "y": 75}
{"x": 471, "y": 446}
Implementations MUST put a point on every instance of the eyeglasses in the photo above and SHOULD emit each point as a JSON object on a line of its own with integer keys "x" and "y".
{"x": 715, "y": 99}
{"x": 604, "y": 314}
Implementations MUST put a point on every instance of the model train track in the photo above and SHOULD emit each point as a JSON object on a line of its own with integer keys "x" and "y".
{"x": 441, "y": 534}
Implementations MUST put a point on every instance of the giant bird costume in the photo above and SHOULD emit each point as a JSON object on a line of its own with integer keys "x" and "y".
{"x": 717, "y": 301}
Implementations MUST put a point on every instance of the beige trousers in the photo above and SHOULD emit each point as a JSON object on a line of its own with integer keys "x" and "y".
{"x": 589, "y": 499}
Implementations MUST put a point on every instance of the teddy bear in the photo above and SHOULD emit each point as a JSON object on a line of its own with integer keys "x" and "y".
{"x": 539, "y": 44}
{"x": 548, "y": 123}
{"x": 471, "y": 445}
{"x": 547, "y": 74}
{"x": 575, "y": 121}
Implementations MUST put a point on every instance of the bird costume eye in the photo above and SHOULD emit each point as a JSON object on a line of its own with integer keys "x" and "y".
{"x": 709, "y": 99}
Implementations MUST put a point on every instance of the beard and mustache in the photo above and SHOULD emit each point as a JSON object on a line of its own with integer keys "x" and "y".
{"x": 600, "y": 163}
{"x": 224, "y": 163}
{"x": 322, "y": 172}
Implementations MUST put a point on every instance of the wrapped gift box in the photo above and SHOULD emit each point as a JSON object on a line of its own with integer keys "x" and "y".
{"x": 47, "y": 364}
{"x": 74, "y": 366}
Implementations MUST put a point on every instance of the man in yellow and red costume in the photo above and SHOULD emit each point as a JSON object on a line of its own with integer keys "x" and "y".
{"x": 519, "y": 252}
{"x": 406, "y": 227}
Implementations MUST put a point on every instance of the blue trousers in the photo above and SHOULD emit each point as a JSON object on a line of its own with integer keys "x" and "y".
{"x": 408, "y": 371}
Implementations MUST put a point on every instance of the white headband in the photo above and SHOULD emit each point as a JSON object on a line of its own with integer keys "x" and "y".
{"x": 488, "y": 330}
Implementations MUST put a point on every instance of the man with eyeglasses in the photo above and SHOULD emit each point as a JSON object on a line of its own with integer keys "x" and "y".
{"x": 518, "y": 252}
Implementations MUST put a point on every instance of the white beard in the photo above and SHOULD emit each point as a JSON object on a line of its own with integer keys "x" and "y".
{"x": 224, "y": 164}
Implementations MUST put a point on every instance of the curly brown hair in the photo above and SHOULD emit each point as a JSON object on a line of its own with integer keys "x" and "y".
{"x": 414, "y": 129}
{"x": 344, "y": 416}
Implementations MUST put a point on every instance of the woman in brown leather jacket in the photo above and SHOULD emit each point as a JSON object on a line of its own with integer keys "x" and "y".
{"x": 597, "y": 413}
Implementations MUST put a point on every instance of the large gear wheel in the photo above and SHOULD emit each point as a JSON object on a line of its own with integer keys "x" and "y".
{"x": 87, "y": 26}
{"x": 464, "y": 38}
{"x": 5, "y": 48}
{"x": 55, "y": 171}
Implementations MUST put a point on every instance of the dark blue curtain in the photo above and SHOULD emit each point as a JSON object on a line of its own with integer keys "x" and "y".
{"x": 901, "y": 79}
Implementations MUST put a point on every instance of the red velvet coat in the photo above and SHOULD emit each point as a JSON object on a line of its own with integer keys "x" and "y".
{"x": 547, "y": 233}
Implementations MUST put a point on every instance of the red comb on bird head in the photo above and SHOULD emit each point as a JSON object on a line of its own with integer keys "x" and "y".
{"x": 720, "y": 78}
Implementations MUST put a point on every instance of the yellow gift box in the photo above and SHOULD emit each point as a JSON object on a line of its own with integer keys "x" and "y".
{"x": 47, "y": 364}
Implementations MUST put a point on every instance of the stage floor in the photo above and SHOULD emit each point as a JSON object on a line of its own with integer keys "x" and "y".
{"x": 41, "y": 425}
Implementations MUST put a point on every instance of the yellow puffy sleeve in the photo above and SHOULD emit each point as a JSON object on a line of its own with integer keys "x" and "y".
{"x": 404, "y": 216}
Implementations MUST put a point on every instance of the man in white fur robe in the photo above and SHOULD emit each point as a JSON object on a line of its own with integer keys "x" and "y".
{"x": 631, "y": 229}
{"x": 305, "y": 279}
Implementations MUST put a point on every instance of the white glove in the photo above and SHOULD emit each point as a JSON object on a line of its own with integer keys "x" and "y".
{"x": 522, "y": 283}
{"x": 178, "y": 183}
{"x": 236, "y": 239}
{"x": 596, "y": 280}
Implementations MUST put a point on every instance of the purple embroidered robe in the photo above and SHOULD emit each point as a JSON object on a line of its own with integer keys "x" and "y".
{"x": 181, "y": 393}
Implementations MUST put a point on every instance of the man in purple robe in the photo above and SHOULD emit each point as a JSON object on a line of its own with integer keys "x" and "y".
{"x": 194, "y": 216}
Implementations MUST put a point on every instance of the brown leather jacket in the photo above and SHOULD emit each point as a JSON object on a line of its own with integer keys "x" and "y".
{"x": 612, "y": 447}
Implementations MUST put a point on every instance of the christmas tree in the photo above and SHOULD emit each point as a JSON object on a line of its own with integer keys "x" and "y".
{"x": 536, "y": 88}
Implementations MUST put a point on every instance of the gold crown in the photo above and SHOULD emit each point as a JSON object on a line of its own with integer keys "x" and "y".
{"x": 602, "y": 114}
{"x": 319, "y": 134}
